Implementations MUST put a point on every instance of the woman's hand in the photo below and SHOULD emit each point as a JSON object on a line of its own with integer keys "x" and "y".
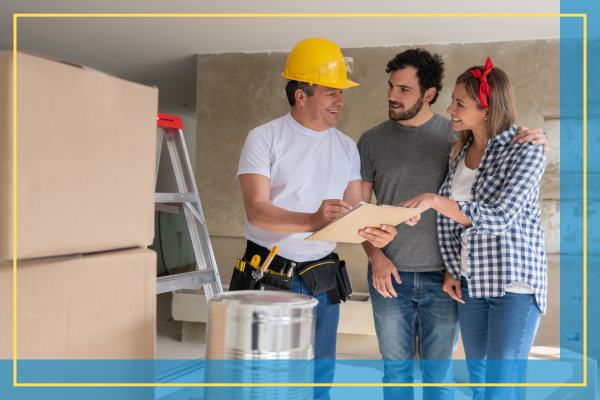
{"x": 452, "y": 287}
{"x": 423, "y": 201}
{"x": 441, "y": 204}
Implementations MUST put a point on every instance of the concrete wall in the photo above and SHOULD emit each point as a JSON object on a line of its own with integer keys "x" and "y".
{"x": 237, "y": 92}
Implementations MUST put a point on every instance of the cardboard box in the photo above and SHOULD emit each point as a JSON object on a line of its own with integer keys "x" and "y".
{"x": 100, "y": 306}
{"x": 86, "y": 149}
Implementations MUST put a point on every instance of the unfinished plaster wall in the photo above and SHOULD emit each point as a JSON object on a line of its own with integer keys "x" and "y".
{"x": 237, "y": 92}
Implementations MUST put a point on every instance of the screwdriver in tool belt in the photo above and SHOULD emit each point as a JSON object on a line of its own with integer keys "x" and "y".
{"x": 291, "y": 270}
{"x": 269, "y": 258}
{"x": 282, "y": 270}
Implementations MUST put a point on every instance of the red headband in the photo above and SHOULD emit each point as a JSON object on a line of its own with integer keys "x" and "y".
{"x": 484, "y": 88}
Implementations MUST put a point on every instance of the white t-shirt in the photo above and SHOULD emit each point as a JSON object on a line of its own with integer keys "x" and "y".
{"x": 305, "y": 168}
{"x": 461, "y": 191}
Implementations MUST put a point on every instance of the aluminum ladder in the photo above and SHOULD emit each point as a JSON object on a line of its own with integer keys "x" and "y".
{"x": 170, "y": 127}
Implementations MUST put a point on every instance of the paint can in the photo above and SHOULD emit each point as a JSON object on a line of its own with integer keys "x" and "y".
{"x": 260, "y": 337}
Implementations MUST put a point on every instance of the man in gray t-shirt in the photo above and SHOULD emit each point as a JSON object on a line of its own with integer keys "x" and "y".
{"x": 401, "y": 163}
{"x": 400, "y": 159}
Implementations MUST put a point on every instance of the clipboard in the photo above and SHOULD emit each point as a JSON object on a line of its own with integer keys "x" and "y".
{"x": 345, "y": 228}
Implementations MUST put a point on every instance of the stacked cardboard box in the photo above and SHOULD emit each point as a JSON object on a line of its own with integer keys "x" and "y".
{"x": 85, "y": 164}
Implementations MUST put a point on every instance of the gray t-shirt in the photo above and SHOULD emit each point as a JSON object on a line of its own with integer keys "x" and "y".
{"x": 403, "y": 163}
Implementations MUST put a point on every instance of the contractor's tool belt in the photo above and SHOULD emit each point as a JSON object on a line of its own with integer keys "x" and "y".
{"x": 243, "y": 279}
{"x": 328, "y": 274}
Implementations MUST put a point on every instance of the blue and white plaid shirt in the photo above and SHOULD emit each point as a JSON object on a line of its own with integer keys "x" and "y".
{"x": 506, "y": 242}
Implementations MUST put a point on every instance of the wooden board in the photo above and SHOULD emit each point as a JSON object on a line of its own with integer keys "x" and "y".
{"x": 345, "y": 228}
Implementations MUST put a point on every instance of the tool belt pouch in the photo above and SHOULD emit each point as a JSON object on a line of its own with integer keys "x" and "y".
{"x": 243, "y": 280}
{"x": 343, "y": 281}
{"x": 275, "y": 282}
{"x": 329, "y": 276}
{"x": 319, "y": 277}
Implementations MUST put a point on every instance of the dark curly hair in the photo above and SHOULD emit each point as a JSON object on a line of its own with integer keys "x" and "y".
{"x": 430, "y": 68}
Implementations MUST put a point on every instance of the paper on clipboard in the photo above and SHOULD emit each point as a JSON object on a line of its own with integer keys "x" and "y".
{"x": 345, "y": 228}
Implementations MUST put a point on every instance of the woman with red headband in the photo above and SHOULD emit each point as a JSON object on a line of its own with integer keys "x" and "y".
{"x": 490, "y": 232}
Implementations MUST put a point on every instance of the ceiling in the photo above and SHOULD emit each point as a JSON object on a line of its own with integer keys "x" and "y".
{"x": 161, "y": 51}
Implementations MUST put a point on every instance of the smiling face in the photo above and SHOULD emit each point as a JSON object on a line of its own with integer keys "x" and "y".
{"x": 404, "y": 94}
{"x": 465, "y": 113}
{"x": 323, "y": 108}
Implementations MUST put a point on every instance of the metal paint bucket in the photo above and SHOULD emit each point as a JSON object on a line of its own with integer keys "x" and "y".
{"x": 260, "y": 337}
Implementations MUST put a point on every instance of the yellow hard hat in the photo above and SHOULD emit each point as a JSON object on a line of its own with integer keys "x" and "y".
{"x": 319, "y": 61}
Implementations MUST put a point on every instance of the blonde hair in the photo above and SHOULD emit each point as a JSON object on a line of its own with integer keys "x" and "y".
{"x": 501, "y": 105}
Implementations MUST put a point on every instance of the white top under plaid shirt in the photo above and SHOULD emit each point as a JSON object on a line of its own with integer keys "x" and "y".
{"x": 506, "y": 240}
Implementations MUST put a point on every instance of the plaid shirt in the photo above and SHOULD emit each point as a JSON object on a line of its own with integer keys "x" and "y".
{"x": 506, "y": 241}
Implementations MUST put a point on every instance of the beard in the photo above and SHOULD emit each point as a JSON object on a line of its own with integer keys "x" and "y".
{"x": 407, "y": 114}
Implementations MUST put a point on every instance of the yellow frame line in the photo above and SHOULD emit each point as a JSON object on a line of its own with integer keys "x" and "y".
{"x": 15, "y": 200}
{"x": 301, "y": 15}
{"x": 16, "y": 384}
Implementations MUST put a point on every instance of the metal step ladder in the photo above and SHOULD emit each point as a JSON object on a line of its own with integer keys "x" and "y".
{"x": 170, "y": 127}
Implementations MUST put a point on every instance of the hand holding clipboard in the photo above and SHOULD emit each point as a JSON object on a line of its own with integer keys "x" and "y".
{"x": 345, "y": 228}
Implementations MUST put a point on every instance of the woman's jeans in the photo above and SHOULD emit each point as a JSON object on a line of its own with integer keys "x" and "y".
{"x": 497, "y": 334}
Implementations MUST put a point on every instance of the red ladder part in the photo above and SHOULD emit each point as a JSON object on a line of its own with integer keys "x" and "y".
{"x": 169, "y": 121}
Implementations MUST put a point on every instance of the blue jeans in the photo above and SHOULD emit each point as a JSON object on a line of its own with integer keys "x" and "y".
{"x": 497, "y": 334}
{"x": 423, "y": 321}
{"x": 328, "y": 317}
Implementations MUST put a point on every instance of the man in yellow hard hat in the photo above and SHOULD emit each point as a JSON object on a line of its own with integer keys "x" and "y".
{"x": 298, "y": 173}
